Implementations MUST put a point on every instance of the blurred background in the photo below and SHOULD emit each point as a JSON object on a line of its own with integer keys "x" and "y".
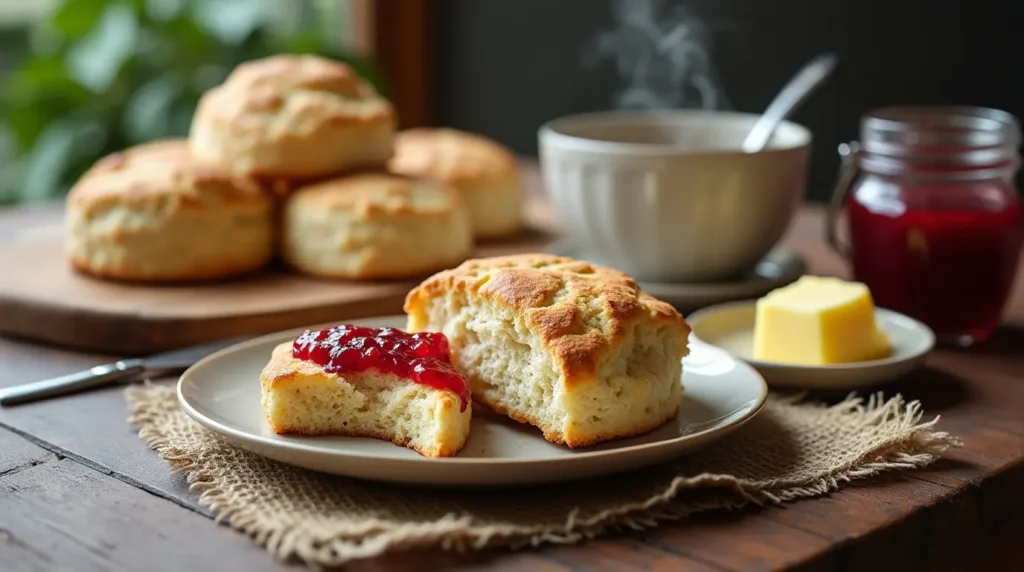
{"x": 82, "y": 78}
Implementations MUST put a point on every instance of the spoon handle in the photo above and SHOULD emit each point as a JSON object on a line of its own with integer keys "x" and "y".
{"x": 799, "y": 88}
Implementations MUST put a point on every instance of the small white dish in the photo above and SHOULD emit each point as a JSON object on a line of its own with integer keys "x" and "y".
{"x": 222, "y": 392}
{"x": 779, "y": 268}
{"x": 730, "y": 327}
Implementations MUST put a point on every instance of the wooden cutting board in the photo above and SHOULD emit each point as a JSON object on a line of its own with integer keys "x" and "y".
{"x": 43, "y": 299}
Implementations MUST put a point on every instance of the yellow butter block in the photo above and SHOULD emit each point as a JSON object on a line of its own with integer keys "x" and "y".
{"x": 818, "y": 321}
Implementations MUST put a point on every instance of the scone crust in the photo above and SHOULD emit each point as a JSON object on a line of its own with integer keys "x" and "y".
{"x": 283, "y": 369}
{"x": 128, "y": 274}
{"x": 375, "y": 225}
{"x": 580, "y": 311}
{"x": 484, "y": 172}
{"x": 377, "y": 195}
{"x": 164, "y": 172}
{"x": 126, "y": 211}
{"x": 295, "y": 116}
{"x": 459, "y": 159}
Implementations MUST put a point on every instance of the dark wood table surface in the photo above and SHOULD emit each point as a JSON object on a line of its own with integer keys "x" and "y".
{"x": 80, "y": 491}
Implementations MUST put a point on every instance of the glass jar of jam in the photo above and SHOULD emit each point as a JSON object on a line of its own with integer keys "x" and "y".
{"x": 933, "y": 215}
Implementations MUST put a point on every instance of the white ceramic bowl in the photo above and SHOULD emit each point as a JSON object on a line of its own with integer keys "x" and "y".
{"x": 668, "y": 196}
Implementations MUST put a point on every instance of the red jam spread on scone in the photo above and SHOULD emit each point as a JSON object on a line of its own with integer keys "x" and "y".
{"x": 423, "y": 358}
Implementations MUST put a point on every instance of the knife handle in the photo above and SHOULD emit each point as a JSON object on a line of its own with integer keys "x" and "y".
{"x": 94, "y": 377}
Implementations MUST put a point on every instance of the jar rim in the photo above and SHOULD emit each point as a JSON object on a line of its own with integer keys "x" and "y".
{"x": 959, "y": 135}
{"x": 941, "y": 118}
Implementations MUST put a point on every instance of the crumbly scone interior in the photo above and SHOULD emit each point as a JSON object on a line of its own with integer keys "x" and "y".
{"x": 374, "y": 404}
{"x": 512, "y": 372}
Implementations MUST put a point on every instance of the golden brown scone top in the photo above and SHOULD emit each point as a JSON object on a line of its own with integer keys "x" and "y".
{"x": 453, "y": 157}
{"x": 377, "y": 193}
{"x": 160, "y": 173}
{"x": 300, "y": 86}
{"x": 581, "y": 311}
{"x": 286, "y": 72}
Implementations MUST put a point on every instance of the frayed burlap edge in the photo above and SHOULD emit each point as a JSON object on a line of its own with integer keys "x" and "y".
{"x": 914, "y": 444}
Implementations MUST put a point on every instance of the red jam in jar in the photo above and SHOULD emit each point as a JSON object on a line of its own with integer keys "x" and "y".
{"x": 424, "y": 357}
{"x": 934, "y": 217}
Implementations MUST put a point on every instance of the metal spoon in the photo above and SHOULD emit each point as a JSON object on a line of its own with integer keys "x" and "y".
{"x": 803, "y": 84}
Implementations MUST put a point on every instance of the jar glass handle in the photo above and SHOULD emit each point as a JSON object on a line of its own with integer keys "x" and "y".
{"x": 849, "y": 153}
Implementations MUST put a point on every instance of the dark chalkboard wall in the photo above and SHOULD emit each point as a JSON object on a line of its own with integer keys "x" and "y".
{"x": 507, "y": 66}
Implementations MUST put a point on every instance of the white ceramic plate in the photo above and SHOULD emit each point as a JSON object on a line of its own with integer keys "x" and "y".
{"x": 779, "y": 268}
{"x": 730, "y": 327}
{"x": 222, "y": 392}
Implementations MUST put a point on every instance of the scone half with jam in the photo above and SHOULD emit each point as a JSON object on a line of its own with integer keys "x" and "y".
{"x": 575, "y": 349}
{"x": 366, "y": 382}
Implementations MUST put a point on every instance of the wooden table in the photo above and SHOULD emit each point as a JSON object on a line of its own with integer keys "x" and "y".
{"x": 80, "y": 491}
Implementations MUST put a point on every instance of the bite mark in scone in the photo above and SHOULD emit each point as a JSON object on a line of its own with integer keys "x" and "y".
{"x": 577, "y": 350}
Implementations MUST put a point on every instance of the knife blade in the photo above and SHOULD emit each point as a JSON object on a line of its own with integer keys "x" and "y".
{"x": 167, "y": 363}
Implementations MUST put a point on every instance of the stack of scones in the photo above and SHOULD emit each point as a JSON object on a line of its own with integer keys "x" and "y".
{"x": 293, "y": 157}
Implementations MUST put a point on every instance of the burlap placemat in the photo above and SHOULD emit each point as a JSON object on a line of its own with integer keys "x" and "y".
{"x": 791, "y": 450}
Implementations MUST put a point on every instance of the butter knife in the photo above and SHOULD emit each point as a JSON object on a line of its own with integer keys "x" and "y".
{"x": 168, "y": 363}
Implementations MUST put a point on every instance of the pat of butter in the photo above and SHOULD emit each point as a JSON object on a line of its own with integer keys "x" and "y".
{"x": 818, "y": 321}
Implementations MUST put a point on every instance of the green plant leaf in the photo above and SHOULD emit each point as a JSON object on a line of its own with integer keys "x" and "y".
{"x": 51, "y": 156}
{"x": 8, "y": 164}
{"x": 309, "y": 42}
{"x": 188, "y": 40}
{"x": 96, "y": 60}
{"x": 99, "y": 75}
{"x": 74, "y": 19}
{"x": 62, "y": 152}
{"x": 368, "y": 72}
{"x": 147, "y": 114}
{"x": 26, "y": 126}
{"x": 232, "y": 21}
{"x": 44, "y": 77}
{"x": 208, "y": 76}
{"x": 35, "y": 94}
{"x": 164, "y": 10}
{"x": 180, "y": 119}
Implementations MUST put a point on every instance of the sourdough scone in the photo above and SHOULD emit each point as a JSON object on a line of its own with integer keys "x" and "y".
{"x": 298, "y": 116}
{"x": 575, "y": 349}
{"x": 155, "y": 213}
{"x": 483, "y": 171}
{"x": 374, "y": 225}
{"x": 299, "y": 397}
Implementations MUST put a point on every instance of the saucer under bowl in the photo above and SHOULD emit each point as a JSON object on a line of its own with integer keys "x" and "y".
{"x": 779, "y": 268}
